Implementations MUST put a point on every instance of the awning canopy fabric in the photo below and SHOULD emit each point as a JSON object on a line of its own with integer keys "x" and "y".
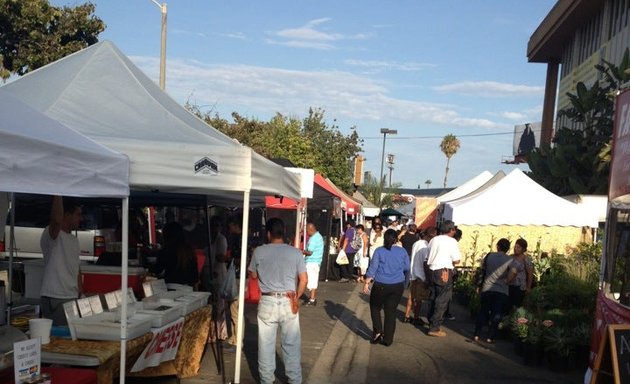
{"x": 516, "y": 199}
{"x": 100, "y": 93}
{"x": 40, "y": 155}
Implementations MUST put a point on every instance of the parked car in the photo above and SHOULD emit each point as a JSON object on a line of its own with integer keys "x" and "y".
{"x": 32, "y": 212}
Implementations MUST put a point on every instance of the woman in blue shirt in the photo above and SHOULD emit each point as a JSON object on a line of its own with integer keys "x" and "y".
{"x": 388, "y": 268}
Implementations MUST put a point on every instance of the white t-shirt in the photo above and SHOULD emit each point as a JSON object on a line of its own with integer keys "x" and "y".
{"x": 443, "y": 251}
{"x": 61, "y": 270}
{"x": 219, "y": 269}
{"x": 419, "y": 253}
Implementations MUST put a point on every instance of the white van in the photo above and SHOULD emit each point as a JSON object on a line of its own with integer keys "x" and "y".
{"x": 32, "y": 212}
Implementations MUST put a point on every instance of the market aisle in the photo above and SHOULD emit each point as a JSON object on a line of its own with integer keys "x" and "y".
{"x": 335, "y": 349}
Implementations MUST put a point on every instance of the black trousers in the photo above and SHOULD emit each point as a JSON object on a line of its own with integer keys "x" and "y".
{"x": 346, "y": 270}
{"x": 385, "y": 297}
{"x": 441, "y": 294}
{"x": 491, "y": 311}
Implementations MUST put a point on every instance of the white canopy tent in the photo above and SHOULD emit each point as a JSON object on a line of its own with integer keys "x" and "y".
{"x": 466, "y": 188}
{"x": 99, "y": 92}
{"x": 40, "y": 155}
{"x": 516, "y": 199}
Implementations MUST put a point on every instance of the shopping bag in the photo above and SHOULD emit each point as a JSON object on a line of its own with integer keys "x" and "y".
{"x": 342, "y": 258}
{"x": 230, "y": 289}
{"x": 253, "y": 291}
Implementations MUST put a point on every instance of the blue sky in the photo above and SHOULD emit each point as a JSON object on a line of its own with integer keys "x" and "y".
{"x": 424, "y": 68}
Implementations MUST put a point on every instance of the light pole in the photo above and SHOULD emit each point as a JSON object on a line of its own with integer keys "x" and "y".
{"x": 384, "y": 131}
{"x": 162, "y": 45}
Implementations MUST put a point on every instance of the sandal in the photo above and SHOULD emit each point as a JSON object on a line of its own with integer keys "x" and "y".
{"x": 376, "y": 338}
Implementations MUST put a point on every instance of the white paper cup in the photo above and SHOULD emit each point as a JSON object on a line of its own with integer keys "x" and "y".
{"x": 40, "y": 328}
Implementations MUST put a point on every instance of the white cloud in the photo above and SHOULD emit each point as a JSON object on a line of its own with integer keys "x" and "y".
{"x": 264, "y": 91}
{"x": 517, "y": 116}
{"x": 234, "y": 35}
{"x": 389, "y": 65}
{"x": 490, "y": 89}
{"x": 310, "y": 36}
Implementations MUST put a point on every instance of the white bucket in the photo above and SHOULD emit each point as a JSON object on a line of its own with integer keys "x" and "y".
{"x": 40, "y": 328}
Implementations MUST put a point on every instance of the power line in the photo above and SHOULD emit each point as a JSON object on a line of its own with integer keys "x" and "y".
{"x": 436, "y": 137}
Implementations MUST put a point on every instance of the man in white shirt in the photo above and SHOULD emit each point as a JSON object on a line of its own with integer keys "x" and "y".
{"x": 419, "y": 288}
{"x": 61, "y": 281}
{"x": 443, "y": 256}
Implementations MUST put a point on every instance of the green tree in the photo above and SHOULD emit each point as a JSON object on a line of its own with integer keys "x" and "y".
{"x": 449, "y": 146}
{"x": 309, "y": 143}
{"x": 428, "y": 183}
{"x": 579, "y": 160}
{"x": 35, "y": 33}
{"x": 372, "y": 191}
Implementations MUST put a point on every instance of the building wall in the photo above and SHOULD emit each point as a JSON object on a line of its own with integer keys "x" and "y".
{"x": 604, "y": 37}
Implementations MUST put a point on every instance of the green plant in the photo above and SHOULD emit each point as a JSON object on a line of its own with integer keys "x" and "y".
{"x": 559, "y": 340}
{"x": 520, "y": 321}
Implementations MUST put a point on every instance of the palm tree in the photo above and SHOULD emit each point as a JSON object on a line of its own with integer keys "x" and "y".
{"x": 449, "y": 146}
{"x": 428, "y": 183}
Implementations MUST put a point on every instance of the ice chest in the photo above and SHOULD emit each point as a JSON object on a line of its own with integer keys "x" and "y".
{"x": 105, "y": 278}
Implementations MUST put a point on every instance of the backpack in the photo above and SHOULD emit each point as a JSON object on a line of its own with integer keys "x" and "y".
{"x": 357, "y": 241}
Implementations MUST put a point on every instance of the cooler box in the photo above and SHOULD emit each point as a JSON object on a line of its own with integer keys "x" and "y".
{"x": 104, "y": 278}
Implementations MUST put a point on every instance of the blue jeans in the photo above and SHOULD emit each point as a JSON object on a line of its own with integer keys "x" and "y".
{"x": 274, "y": 312}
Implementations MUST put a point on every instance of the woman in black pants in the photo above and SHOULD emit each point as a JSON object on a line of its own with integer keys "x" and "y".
{"x": 388, "y": 268}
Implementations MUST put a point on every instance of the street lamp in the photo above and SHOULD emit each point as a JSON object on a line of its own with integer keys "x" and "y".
{"x": 162, "y": 45}
{"x": 390, "y": 165}
{"x": 384, "y": 131}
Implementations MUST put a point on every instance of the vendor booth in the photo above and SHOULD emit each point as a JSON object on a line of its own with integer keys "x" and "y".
{"x": 40, "y": 155}
{"x": 100, "y": 93}
{"x": 613, "y": 300}
{"x": 515, "y": 206}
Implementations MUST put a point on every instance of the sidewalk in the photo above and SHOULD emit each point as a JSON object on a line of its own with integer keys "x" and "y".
{"x": 335, "y": 349}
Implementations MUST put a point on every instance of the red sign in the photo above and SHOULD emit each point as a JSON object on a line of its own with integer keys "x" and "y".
{"x": 607, "y": 312}
{"x": 163, "y": 346}
{"x": 620, "y": 165}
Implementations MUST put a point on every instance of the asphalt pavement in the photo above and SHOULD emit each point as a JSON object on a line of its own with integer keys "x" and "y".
{"x": 336, "y": 349}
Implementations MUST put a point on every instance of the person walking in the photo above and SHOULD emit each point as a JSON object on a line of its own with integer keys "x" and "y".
{"x": 498, "y": 273}
{"x": 282, "y": 276}
{"x": 361, "y": 259}
{"x": 347, "y": 245}
{"x": 443, "y": 256}
{"x": 387, "y": 270}
{"x": 314, "y": 253}
{"x": 419, "y": 288}
{"x": 376, "y": 238}
{"x": 61, "y": 281}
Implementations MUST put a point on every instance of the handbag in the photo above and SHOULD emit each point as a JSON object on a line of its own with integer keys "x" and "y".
{"x": 253, "y": 291}
{"x": 342, "y": 258}
{"x": 229, "y": 289}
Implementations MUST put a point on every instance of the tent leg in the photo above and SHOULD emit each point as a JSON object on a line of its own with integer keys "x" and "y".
{"x": 241, "y": 289}
{"x": 123, "y": 280}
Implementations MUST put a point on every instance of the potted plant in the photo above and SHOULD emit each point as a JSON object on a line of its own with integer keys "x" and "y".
{"x": 558, "y": 345}
{"x": 533, "y": 350}
{"x": 519, "y": 323}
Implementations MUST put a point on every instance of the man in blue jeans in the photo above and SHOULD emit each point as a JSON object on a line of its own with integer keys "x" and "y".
{"x": 281, "y": 273}
{"x": 443, "y": 256}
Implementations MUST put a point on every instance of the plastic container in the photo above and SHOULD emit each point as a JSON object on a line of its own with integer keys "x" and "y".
{"x": 106, "y": 326}
{"x": 161, "y": 314}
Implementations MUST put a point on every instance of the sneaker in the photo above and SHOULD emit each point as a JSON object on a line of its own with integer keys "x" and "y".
{"x": 437, "y": 333}
{"x": 311, "y": 303}
{"x": 449, "y": 317}
{"x": 343, "y": 280}
{"x": 407, "y": 320}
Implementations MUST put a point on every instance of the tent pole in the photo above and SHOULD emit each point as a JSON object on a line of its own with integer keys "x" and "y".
{"x": 304, "y": 219}
{"x": 11, "y": 255}
{"x": 123, "y": 280}
{"x": 241, "y": 289}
